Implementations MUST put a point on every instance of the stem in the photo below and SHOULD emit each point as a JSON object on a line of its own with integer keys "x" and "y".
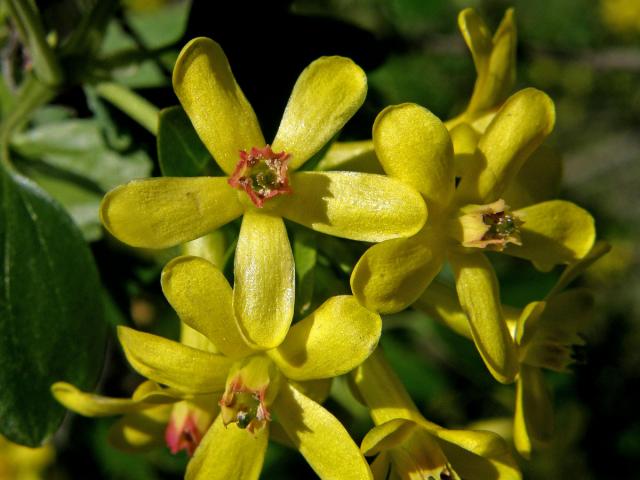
{"x": 30, "y": 27}
{"x": 33, "y": 94}
{"x": 138, "y": 108}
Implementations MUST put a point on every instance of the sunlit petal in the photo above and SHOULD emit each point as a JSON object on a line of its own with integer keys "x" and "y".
{"x": 217, "y": 108}
{"x": 162, "y": 212}
{"x": 202, "y": 297}
{"x": 229, "y": 453}
{"x": 333, "y": 340}
{"x": 170, "y": 363}
{"x": 264, "y": 291}
{"x": 327, "y": 94}
{"x": 391, "y": 275}
{"x": 319, "y": 437}
{"x": 477, "y": 288}
{"x": 359, "y": 206}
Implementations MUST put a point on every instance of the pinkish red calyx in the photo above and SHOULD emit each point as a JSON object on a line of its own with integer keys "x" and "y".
{"x": 244, "y": 406}
{"x": 261, "y": 173}
{"x": 183, "y": 435}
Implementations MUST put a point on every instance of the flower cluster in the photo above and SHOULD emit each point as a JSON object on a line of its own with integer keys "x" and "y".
{"x": 444, "y": 193}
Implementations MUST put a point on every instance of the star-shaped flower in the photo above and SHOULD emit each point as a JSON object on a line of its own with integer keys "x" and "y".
{"x": 469, "y": 218}
{"x": 258, "y": 386}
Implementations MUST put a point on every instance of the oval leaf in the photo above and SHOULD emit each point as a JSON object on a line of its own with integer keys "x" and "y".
{"x": 51, "y": 310}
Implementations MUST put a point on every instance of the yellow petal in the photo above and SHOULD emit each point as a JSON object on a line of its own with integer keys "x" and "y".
{"x": 333, "y": 340}
{"x": 380, "y": 466}
{"x": 538, "y": 179}
{"x": 316, "y": 390}
{"x": 464, "y": 139}
{"x": 533, "y": 420}
{"x": 414, "y": 146}
{"x": 358, "y": 156}
{"x": 319, "y": 437}
{"x": 170, "y": 363}
{"x": 441, "y": 302}
{"x": 478, "y": 454}
{"x": 517, "y": 130}
{"x": 217, "y": 108}
{"x": 327, "y": 94}
{"x": 264, "y": 291}
{"x": 92, "y": 405}
{"x": 359, "y": 206}
{"x": 382, "y": 390}
{"x": 386, "y": 436}
{"x": 554, "y": 232}
{"x": 162, "y": 212}
{"x": 477, "y": 288}
{"x": 140, "y": 431}
{"x": 202, "y": 297}
{"x": 495, "y": 59}
{"x": 228, "y": 453}
{"x": 390, "y": 276}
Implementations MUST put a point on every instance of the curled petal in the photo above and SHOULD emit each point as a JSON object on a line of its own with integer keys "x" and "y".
{"x": 327, "y": 94}
{"x": 170, "y": 363}
{"x": 477, "y": 288}
{"x": 554, "y": 232}
{"x": 217, "y": 108}
{"x": 146, "y": 396}
{"x": 520, "y": 126}
{"x": 163, "y": 212}
{"x": 333, "y": 340}
{"x": 359, "y": 206}
{"x": 140, "y": 431}
{"x": 533, "y": 420}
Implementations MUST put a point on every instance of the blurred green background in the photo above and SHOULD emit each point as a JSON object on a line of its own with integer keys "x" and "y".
{"x": 584, "y": 53}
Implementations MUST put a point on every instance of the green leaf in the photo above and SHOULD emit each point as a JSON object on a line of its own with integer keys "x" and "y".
{"x": 160, "y": 26}
{"x": 180, "y": 150}
{"x": 82, "y": 204}
{"x": 51, "y": 310}
{"x": 77, "y": 146}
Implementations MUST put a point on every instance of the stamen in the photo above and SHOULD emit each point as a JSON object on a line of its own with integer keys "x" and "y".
{"x": 261, "y": 173}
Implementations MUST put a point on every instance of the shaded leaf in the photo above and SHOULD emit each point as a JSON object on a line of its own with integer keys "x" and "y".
{"x": 51, "y": 310}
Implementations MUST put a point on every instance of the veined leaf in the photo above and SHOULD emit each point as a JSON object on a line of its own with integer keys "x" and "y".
{"x": 51, "y": 310}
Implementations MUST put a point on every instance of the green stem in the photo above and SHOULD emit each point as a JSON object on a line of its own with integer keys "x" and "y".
{"x": 141, "y": 110}
{"x": 30, "y": 27}
{"x": 33, "y": 94}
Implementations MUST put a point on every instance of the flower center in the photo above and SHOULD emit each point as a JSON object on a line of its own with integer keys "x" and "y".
{"x": 261, "y": 173}
{"x": 490, "y": 226}
{"x": 502, "y": 226}
{"x": 183, "y": 434}
{"x": 244, "y": 406}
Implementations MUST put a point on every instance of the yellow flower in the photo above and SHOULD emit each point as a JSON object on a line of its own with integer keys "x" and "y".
{"x": 545, "y": 332}
{"x": 410, "y": 447}
{"x": 464, "y": 220}
{"x": 259, "y": 385}
{"x": 23, "y": 463}
{"x": 153, "y": 415}
{"x": 495, "y": 61}
{"x": 263, "y": 183}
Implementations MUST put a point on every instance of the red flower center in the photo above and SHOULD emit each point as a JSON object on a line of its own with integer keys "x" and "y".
{"x": 261, "y": 173}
